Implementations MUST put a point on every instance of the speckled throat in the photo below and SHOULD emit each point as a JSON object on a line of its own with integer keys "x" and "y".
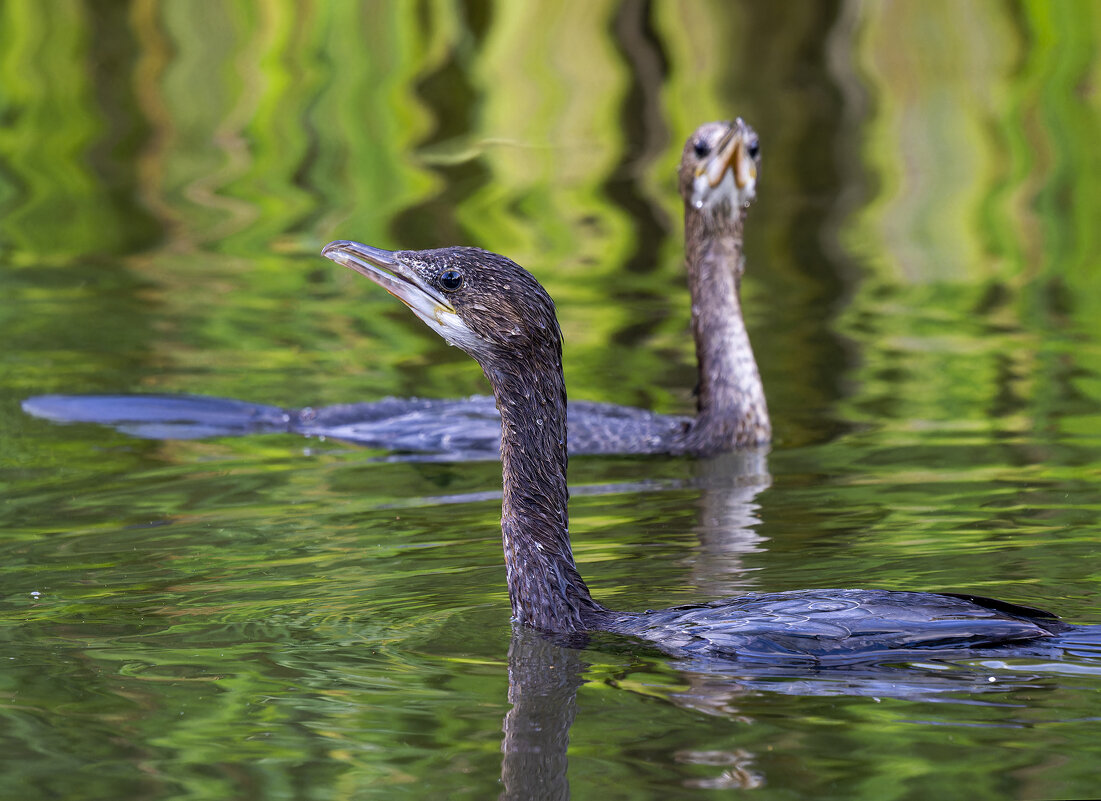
{"x": 545, "y": 589}
{"x": 732, "y": 411}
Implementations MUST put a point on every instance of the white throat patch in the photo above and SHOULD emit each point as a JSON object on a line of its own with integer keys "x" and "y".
{"x": 710, "y": 198}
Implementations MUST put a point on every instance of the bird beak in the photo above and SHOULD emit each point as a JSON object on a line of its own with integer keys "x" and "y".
{"x": 401, "y": 280}
{"x": 389, "y": 272}
{"x": 731, "y": 153}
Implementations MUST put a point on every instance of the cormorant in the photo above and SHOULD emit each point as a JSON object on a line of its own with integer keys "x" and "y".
{"x": 499, "y": 314}
{"x": 717, "y": 178}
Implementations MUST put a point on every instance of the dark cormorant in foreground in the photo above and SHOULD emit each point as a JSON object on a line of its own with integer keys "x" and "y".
{"x": 717, "y": 178}
{"x": 499, "y": 314}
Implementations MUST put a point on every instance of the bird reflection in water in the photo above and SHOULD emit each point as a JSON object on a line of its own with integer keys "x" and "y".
{"x": 545, "y": 674}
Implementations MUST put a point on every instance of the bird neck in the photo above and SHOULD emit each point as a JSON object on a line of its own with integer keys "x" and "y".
{"x": 731, "y": 403}
{"x": 544, "y": 586}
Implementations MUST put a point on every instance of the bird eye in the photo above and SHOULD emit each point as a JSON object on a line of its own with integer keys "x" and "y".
{"x": 451, "y": 280}
{"x": 753, "y": 148}
{"x": 701, "y": 147}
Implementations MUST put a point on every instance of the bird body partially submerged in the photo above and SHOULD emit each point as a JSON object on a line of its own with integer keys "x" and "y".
{"x": 839, "y": 625}
{"x": 500, "y": 315}
{"x": 717, "y": 180}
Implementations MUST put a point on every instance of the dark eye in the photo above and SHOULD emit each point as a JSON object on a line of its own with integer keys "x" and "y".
{"x": 701, "y": 147}
{"x": 753, "y": 148}
{"x": 451, "y": 280}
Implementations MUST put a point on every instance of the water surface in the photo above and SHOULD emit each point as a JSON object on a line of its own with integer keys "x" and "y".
{"x": 286, "y": 618}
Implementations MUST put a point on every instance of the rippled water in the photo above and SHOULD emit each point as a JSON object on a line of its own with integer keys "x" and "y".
{"x": 277, "y": 617}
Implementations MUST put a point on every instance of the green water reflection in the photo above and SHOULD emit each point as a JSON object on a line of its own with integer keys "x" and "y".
{"x": 270, "y": 617}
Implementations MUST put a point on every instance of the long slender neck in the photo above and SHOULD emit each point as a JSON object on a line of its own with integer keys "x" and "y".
{"x": 731, "y": 406}
{"x": 544, "y": 586}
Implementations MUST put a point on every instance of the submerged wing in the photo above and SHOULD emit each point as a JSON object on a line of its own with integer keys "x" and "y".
{"x": 463, "y": 429}
{"x": 842, "y": 626}
{"x": 162, "y": 416}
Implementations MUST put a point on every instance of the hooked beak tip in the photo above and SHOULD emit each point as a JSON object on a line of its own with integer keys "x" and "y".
{"x": 349, "y": 254}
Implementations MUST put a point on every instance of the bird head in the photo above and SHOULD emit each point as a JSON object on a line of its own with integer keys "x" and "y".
{"x": 718, "y": 169}
{"x": 479, "y": 301}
